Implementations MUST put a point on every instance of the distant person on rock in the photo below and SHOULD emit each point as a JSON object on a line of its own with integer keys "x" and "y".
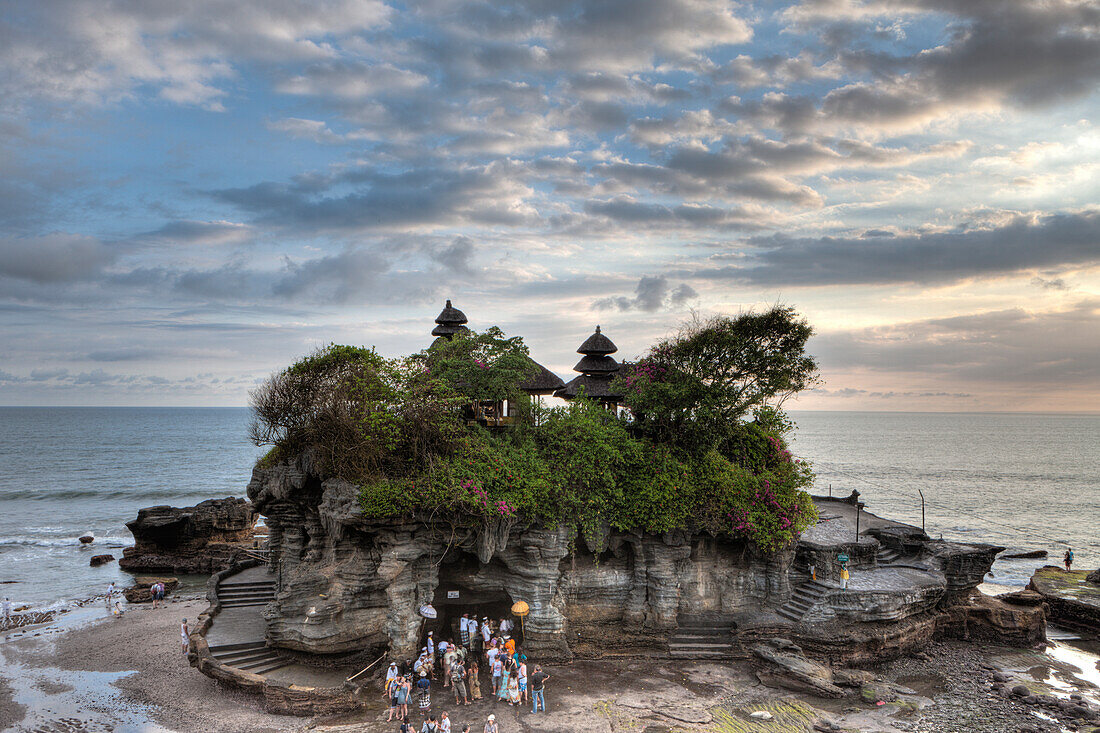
{"x": 183, "y": 636}
{"x": 1068, "y": 559}
{"x": 844, "y": 576}
{"x": 538, "y": 682}
{"x": 7, "y": 609}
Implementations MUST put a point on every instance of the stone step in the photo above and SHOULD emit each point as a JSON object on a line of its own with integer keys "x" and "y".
{"x": 683, "y": 635}
{"x": 789, "y": 614}
{"x": 271, "y": 667}
{"x": 244, "y": 604}
{"x": 257, "y": 663}
{"x": 726, "y": 646}
{"x": 243, "y": 594}
{"x": 238, "y": 647}
{"x": 236, "y": 660}
{"x": 678, "y": 654}
{"x": 250, "y": 589}
{"x": 800, "y": 606}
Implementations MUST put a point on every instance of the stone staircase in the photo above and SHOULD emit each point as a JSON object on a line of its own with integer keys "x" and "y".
{"x": 240, "y": 594}
{"x": 887, "y": 556}
{"x": 803, "y": 597}
{"x": 702, "y": 636}
{"x": 253, "y": 657}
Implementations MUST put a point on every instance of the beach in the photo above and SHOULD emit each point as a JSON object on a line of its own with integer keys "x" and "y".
{"x": 89, "y": 672}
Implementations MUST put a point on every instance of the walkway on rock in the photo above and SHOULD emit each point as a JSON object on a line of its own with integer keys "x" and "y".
{"x": 236, "y": 635}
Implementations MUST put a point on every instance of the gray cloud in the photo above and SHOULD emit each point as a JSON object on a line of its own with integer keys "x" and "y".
{"x": 55, "y": 258}
{"x": 1024, "y": 242}
{"x": 652, "y": 293}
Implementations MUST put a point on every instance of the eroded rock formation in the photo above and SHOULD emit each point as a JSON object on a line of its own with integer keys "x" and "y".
{"x": 199, "y": 539}
{"x": 348, "y": 583}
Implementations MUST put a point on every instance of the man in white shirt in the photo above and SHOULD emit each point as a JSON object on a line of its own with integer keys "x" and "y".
{"x": 486, "y": 631}
{"x": 7, "y": 609}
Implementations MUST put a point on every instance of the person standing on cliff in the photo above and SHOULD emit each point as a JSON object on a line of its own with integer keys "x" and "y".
{"x": 844, "y": 577}
{"x": 1068, "y": 559}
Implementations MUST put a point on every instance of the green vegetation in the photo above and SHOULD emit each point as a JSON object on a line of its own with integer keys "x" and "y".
{"x": 691, "y": 458}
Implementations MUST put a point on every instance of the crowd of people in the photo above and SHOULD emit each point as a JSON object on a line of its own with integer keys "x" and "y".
{"x": 459, "y": 667}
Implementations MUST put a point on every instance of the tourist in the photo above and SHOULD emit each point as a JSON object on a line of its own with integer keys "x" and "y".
{"x": 1068, "y": 559}
{"x": 513, "y": 689}
{"x": 465, "y": 728}
{"x": 184, "y": 633}
{"x": 464, "y": 629}
{"x": 117, "y": 610}
{"x": 502, "y": 689}
{"x": 486, "y": 631}
{"x": 496, "y": 670}
{"x": 843, "y": 577}
{"x": 491, "y": 655}
{"x": 425, "y": 695}
{"x": 523, "y": 677}
{"x": 510, "y": 646}
{"x": 813, "y": 572}
{"x": 458, "y": 683}
{"x": 391, "y": 675}
{"x": 538, "y": 680}
{"x": 110, "y": 594}
{"x": 7, "y": 609}
{"x": 431, "y": 654}
{"x": 505, "y": 627}
{"x": 406, "y": 726}
{"x": 444, "y": 723}
{"x": 153, "y": 594}
{"x": 491, "y": 724}
{"x": 473, "y": 679}
{"x": 393, "y": 684}
{"x": 430, "y": 725}
{"x": 404, "y": 692}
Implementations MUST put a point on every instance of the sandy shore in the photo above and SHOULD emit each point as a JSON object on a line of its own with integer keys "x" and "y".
{"x": 89, "y": 672}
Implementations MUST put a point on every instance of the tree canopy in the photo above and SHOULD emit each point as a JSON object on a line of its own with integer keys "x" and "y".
{"x": 691, "y": 457}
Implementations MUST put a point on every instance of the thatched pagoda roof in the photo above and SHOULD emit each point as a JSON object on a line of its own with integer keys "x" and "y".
{"x": 541, "y": 381}
{"x": 597, "y": 388}
{"x": 591, "y": 364}
{"x": 451, "y": 321}
{"x": 597, "y": 345}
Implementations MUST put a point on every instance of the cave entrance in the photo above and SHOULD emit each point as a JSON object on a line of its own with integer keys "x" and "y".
{"x": 464, "y": 587}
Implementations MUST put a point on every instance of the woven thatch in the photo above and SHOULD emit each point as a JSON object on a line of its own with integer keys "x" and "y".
{"x": 451, "y": 321}
{"x": 541, "y": 381}
{"x": 597, "y": 365}
{"x": 598, "y": 345}
{"x": 597, "y": 388}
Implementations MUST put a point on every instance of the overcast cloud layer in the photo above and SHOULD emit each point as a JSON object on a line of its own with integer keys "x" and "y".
{"x": 194, "y": 194}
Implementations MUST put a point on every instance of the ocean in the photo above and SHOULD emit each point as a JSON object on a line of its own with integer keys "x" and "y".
{"x": 1021, "y": 481}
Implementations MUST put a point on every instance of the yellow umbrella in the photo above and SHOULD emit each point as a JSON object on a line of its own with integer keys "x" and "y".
{"x": 521, "y": 609}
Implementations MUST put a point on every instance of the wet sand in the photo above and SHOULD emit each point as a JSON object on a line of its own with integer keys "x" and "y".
{"x": 88, "y": 673}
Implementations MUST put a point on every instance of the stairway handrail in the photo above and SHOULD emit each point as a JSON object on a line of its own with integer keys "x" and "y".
{"x": 376, "y": 661}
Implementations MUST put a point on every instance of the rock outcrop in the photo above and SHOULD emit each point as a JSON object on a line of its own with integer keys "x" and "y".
{"x": 348, "y": 583}
{"x": 96, "y": 560}
{"x": 1072, "y": 598}
{"x": 781, "y": 663}
{"x": 139, "y": 591}
{"x": 200, "y": 539}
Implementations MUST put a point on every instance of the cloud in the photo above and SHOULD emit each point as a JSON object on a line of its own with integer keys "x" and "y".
{"x": 54, "y": 259}
{"x": 185, "y": 231}
{"x": 1010, "y": 346}
{"x": 1022, "y": 242}
{"x": 652, "y": 293}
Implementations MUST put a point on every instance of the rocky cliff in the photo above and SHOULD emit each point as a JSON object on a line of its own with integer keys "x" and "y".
{"x": 347, "y": 583}
{"x": 198, "y": 539}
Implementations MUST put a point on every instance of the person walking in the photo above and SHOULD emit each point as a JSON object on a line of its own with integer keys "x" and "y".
{"x": 458, "y": 683}
{"x": 184, "y": 634}
{"x": 473, "y": 680}
{"x": 496, "y": 669}
{"x": 502, "y": 690}
{"x": 538, "y": 686}
{"x": 523, "y": 677}
{"x": 393, "y": 684}
{"x": 491, "y": 724}
{"x": 110, "y": 594}
{"x": 404, "y": 690}
{"x": 843, "y": 577}
{"x": 424, "y": 700}
{"x": 444, "y": 723}
{"x": 1068, "y": 559}
{"x": 7, "y": 608}
{"x": 513, "y": 689}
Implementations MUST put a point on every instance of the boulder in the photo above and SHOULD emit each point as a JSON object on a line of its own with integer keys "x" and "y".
{"x": 204, "y": 538}
{"x": 87, "y": 539}
{"x": 139, "y": 591}
{"x": 781, "y": 663}
{"x": 1073, "y": 600}
{"x": 97, "y": 560}
{"x": 1094, "y": 576}
{"x": 1024, "y": 555}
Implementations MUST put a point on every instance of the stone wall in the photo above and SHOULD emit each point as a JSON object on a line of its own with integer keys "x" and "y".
{"x": 204, "y": 538}
{"x": 346, "y": 583}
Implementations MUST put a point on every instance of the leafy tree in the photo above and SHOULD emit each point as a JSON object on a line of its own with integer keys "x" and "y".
{"x": 692, "y": 389}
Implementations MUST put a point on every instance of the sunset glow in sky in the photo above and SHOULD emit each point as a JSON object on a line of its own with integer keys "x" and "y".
{"x": 194, "y": 194}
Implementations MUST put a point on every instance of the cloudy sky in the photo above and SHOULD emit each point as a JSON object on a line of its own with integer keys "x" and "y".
{"x": 193, "y": 194}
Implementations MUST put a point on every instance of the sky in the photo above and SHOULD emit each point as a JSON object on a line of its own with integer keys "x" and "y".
{"x": 195, "y": 194}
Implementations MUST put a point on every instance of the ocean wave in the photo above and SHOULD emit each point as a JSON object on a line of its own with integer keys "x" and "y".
{"x": 48, "y": 495}
{"x": 62, "y": 542}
